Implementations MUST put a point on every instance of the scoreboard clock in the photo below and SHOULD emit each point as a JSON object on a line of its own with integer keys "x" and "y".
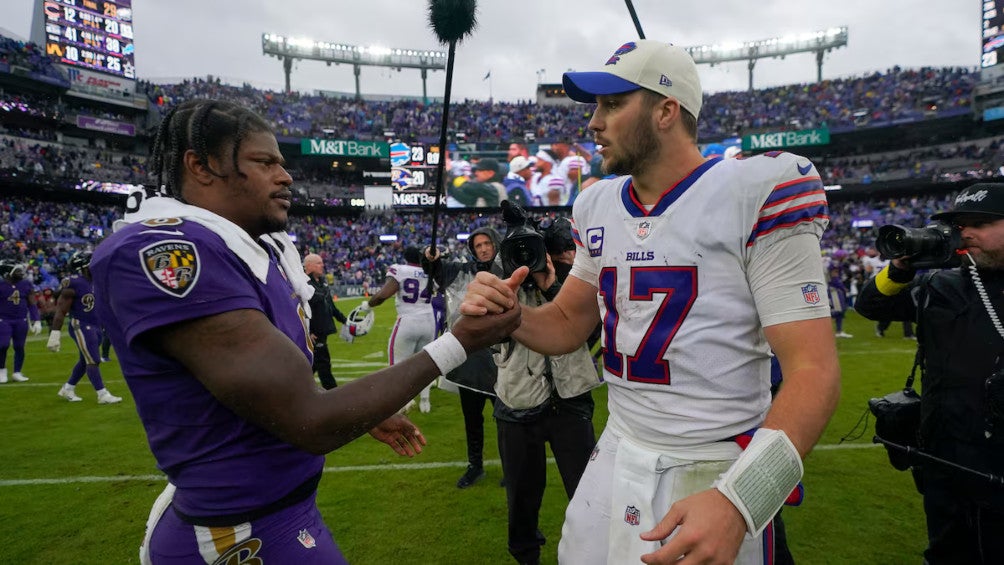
{"x": 92, "y": 34}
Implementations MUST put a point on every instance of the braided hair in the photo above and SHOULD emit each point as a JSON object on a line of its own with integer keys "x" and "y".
{"x": 206, "y": 127}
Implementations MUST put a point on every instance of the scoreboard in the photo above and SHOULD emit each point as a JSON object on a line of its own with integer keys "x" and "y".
{"x": 993, "y": 33}
{"x": 91, "y": 34}
{"x": 413, "y": 173}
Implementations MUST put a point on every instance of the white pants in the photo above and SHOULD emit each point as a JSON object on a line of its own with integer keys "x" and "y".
{"x": 409, "y": 336}
{"x": 591, "y": 515}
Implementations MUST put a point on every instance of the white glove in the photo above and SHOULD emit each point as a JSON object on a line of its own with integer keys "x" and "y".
{"x": 36, "y": 327}
{"x": 345, "y": 334}
{"x": 364, "y": 306}
{"x": 53, "y": 344}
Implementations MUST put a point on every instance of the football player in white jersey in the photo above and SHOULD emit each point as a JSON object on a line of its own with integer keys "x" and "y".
{"x": 416, "y": 323}
{"x": 697, "y": 268}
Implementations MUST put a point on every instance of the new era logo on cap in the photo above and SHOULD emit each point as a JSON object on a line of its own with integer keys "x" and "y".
{"x": 660, "y": 67}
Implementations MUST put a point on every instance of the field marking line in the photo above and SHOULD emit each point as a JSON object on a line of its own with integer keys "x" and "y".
{"x": 345, "y": 469}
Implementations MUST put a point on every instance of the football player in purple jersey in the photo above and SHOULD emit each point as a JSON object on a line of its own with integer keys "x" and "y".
{"x": 205, "y": 300}
{"x": 76, "y": 300}
{"x": 17, "y": 304}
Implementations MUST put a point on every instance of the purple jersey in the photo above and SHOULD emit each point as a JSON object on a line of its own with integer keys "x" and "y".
{"x": 82, "y": 308}
{"x": 14, "y": 299}
{"x": 149, "y": 276}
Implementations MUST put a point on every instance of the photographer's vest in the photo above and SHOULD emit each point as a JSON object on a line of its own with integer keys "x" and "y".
{"x": 527, "y": 379}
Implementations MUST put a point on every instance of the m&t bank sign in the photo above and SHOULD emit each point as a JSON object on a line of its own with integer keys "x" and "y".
{"x": 345, "y": 148}
{"x": 782, "y": 139}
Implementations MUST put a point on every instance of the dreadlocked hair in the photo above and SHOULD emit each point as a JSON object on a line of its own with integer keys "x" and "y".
{"x": 206, "y": 127}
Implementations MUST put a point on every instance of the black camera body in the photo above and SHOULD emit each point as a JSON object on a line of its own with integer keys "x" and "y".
{"x": 523, "y": 244}
{"x": 929, "y": 247}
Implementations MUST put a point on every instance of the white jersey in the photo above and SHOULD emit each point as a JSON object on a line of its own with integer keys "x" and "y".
{"x": 685, "y": 289}
{"x": 413, "y": 298}
{"x": 415, "y": 326}
{"x": 577, "y": 165}
{"x": 543, "y": 186}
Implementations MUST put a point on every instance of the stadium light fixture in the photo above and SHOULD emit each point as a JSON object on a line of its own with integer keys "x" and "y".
{"x": 819, "y": 42}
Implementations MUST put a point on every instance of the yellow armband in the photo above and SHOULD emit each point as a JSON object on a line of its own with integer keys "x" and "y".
{"x": 886, "y": 285}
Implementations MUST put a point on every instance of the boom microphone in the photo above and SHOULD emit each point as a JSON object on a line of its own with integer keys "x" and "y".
{"x": 451, "y": 20}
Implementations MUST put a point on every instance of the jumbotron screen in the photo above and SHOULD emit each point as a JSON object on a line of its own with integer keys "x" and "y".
{"x": 993, "y": 33}
{"x": 91, "y": 34}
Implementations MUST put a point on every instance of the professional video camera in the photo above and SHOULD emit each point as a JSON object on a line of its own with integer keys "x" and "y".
{"x": 930, "y": 247}
{"x": 523, "y": 243}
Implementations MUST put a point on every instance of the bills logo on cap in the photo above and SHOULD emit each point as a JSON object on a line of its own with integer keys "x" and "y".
{"x": 632, "y": 516}
{"x": 811, "y": 294}
{"x": 623, "y": 49}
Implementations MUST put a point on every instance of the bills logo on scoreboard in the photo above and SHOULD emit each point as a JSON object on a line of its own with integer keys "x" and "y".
{"x": 810, "y": 293}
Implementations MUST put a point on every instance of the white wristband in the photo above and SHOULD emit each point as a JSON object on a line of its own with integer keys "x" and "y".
{"x": 762, "y": 477}
{"x": 446, "y": 352}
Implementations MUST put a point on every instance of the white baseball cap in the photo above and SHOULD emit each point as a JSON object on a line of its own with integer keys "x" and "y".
{"x": 644, "y": 63}
{"x": 518, "y": 163}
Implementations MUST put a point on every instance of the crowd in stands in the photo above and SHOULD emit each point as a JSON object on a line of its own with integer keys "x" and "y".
{"x": 15, "y": 53}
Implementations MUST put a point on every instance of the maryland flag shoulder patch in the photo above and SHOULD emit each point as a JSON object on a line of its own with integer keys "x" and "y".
{"x": 171, "y": 265}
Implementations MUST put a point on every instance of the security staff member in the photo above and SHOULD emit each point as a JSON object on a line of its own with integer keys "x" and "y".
{"x": 963, "y": 348}
{"x": 322, "y": 310}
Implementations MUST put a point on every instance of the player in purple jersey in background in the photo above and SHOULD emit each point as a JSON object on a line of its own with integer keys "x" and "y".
{"x": 76, "y": 299}
{"x": 17, "y": 304}
{"x": 206, "y": 302}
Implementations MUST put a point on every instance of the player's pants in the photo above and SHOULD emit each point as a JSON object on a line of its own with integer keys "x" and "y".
{"x": 585, "y": 535}
{"x": 13, "y": 329}
{"x": 409, "y": 336}
{"x": 88, "y": 340}
{"x": 296, "y": 534}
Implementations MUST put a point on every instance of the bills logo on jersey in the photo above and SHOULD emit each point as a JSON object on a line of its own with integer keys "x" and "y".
{"x": 811, "y": 294}
{"x": 594, "y": 241}
{"x": 171, "y": 265}
{"x": 306, "y": 539}
{"x": 632, "y": 516}
{"x": 644, "y": 229}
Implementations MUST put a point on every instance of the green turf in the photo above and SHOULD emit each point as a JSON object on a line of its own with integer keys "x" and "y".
{"x": 77, "y": 480}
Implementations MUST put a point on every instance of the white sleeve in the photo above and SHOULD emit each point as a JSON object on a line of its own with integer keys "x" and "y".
{"x": 787, "y": 280}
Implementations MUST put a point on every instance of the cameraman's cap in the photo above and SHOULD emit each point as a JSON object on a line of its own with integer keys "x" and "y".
{"x": 660, "y": 67}
{"x": 486, "y": 164}
{"x": 982, "y": 198}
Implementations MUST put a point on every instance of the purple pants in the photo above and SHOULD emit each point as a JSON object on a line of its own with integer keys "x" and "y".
{"x": 296, "y": 534}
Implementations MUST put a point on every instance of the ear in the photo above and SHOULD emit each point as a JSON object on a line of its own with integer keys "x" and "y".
{"x": 197, "y": 169}
{"x": 667, "y": 111}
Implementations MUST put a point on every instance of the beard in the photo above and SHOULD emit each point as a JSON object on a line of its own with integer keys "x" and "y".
{"x": 989, "y": 260}
{"x": 636, "y": 155}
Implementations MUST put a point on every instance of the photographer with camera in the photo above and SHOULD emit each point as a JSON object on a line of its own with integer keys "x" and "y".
{"x": 961, "y": 343}
{"x": 541, "y": 398}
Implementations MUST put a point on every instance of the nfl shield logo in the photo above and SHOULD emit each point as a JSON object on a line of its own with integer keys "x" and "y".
{"x": 811, "y": 294}
{"x": 306, "y": 539}
{"x": 644, "y": 228}
{"x": 632, "y": 516}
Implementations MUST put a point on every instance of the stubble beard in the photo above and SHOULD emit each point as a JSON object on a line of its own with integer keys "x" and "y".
{"x": 638, "y": 154}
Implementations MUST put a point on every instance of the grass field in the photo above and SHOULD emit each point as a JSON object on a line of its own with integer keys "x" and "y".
{"x": 77, "y": 479}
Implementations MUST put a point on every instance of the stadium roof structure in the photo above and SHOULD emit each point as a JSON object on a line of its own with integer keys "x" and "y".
{"x": 818, "y": 42}
{"x": 289, "y": 49}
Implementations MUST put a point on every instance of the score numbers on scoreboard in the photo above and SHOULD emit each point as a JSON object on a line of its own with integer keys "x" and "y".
{"x": 93, "y": 34}
{"x": 993, "y": 33}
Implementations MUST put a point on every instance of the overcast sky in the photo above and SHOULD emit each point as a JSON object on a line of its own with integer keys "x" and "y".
{"x": 515, "y": 39}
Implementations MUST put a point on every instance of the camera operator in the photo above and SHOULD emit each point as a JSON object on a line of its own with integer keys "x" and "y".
{"x": 541, "y": 399}
{"x": 962, "y": 344}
